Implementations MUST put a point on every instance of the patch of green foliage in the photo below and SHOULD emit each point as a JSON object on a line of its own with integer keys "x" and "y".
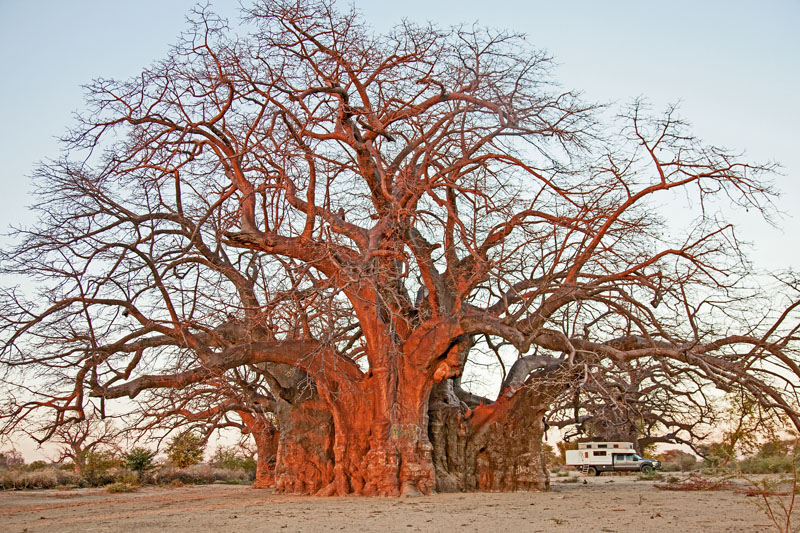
{"x": 230, "y": 458}
{"x": 186, "y": 449}
{"x": 139, "y": 460}
{"x": 652, "y": 475}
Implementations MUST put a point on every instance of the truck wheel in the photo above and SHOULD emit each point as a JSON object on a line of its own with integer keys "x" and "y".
{"x": 593, "y": 471}
{"x": 646, "y": 469}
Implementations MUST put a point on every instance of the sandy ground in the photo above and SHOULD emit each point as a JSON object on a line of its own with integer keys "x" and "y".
{"x": 606, "y": 504}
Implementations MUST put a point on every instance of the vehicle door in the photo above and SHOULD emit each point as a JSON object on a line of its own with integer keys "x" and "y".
{"x": 625, "y": 462}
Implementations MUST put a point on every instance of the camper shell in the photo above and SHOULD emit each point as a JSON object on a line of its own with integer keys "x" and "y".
{"x": 594, "y": 458}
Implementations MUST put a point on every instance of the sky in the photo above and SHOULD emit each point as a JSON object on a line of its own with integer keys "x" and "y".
{"x": 733, "y": 66}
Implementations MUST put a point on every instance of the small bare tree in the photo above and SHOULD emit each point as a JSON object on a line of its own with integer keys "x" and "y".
{"x": 80, "y": 438}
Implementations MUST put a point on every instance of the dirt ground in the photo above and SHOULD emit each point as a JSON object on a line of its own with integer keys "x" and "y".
{"x": 606, "y": 504}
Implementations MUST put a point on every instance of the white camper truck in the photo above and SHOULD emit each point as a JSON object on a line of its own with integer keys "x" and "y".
{"x": 593, "y": 458}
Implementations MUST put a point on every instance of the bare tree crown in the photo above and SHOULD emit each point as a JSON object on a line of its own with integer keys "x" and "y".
{"x": 368, "y": 208}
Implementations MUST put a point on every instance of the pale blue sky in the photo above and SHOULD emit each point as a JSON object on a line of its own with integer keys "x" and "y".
{"x": 733, "y": 65}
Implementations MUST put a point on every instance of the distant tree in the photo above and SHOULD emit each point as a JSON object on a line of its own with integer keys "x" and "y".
{"x": 241, "y": 400}
{"x": 778, "y": 447}
{"x": 684, "y": 461}
{"x": 563, "y": 446}
{"x": 139, "y": 459}
{"x": 186, "y": 449}
{"x": 11, "y": 459}
{"x": 97, "y": 464}
{"x": 36, "y": 465}
{"x": 744, "y": 425}
{"x": 551, "y": 458}
{"x": 643, "y": 402}
{"x": 232, "y": 457}
{"x": 80, "y": 439}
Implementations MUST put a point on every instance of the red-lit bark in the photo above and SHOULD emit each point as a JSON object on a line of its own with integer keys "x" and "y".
{"x": 304, "y": 462}
{"x": 266, "y": 437}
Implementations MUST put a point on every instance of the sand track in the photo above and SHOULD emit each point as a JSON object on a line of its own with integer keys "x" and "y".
{"x": 614, "y": 504}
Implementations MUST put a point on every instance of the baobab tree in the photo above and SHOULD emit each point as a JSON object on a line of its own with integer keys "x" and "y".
{"x": 643, "y": 402}
{"x": 418, "y": 193}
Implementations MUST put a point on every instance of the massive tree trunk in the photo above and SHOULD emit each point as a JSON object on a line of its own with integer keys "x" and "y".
{"x": 304, "y": 462}
{"x": 370, "y": 434}
{"x": 266, "y": 436}
{"x": 342, "y": 446}
{"x": 491, "y": 447}
{"x": 380, "y": 440}
{"x": 366, "y": 434}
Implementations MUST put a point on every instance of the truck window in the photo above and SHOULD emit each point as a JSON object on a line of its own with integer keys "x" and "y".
{"x": 600, "y": 453}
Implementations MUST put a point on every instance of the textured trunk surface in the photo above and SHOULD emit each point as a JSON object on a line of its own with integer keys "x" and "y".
{"x": 304, "y": 463}
{"x": 266, "y": 436}
{"x": 377, "y": 450}
{"x": 366, "y": 438}
{"x": 373, "y": 436}
{"x": 496, "y": 447}
{"x": 266, "y": 458}
{"x": 490, "y": 448}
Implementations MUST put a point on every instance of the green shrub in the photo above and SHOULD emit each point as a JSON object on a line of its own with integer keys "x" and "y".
{"x": 36, "y": 465}
{"x": 100, "y": 468}
{"x": 649, "y": 476}
{"x": 186, "y": 449}
{"x": 139, "y": 460}
{"x": 766, "y": 465}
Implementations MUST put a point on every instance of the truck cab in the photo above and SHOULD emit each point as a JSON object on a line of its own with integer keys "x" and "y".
{"x": 594, "y": 458}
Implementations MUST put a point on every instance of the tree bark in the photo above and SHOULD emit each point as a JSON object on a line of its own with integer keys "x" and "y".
{"x": 266, "y": 436}
{"x": 373, "y": 436}
{"x": 453, "y": 448}
{"x": 304, "y": 462}
{"x": 495, "y": 447}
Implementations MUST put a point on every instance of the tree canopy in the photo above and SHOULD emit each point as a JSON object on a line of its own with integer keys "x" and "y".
{"x": 317, "y": 218}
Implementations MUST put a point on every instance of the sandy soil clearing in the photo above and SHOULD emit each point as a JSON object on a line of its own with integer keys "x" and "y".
{"x": 613, "y": 504}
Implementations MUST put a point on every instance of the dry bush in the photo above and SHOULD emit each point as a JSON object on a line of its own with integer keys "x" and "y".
{"x": 195, "y": 475}
{"x": 766, "y": 465}
{"x": 46, "y": 478}
{"x": 695, "y": 482}
{"x": 121, "y": 486}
